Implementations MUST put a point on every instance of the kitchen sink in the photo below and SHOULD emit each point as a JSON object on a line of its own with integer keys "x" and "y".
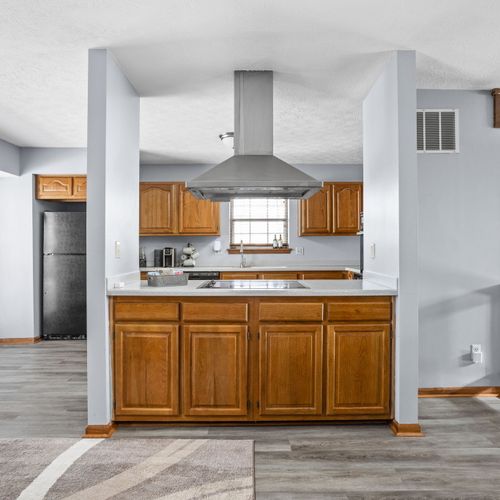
{"x": 252, "y": 284}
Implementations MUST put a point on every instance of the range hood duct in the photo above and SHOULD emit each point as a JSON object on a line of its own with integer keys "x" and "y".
{"x": 253, "y": 171}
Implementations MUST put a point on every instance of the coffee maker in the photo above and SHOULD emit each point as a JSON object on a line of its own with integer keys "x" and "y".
{"x": 164, "y": 257}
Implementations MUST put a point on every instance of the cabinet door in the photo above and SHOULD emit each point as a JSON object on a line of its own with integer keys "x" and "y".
{"x": 158, "y": 208}
{"x": 146, "y": 367}
{"x": 290, "y": 369}
{"x": 197, "y": 216}
{"x": 358, "y": 369}
{"x": 215, "y": 370}
{"x": 316, "y": 213}
{"x": 347, "y": 207}
{"x": 53, "y": 188}
{"x": 80, "y": 188}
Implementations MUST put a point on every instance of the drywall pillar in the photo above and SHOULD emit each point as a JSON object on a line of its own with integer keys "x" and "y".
{"x": 391, "y": 212}
{"x": 112, "y": 211}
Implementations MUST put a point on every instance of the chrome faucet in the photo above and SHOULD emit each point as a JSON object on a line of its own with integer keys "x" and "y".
{"x": 243, "y": 262}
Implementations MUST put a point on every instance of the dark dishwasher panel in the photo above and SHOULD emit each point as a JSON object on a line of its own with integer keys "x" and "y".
{"x": 203, "y": 275}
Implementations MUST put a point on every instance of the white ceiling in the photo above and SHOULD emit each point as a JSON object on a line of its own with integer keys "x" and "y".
{"x": 180, "y": 55}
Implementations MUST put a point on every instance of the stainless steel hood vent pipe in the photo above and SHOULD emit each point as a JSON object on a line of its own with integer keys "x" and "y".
{"x": 253, "y": 171}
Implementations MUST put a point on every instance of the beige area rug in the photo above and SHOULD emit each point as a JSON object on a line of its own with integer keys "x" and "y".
{"x": 124, "y": 469}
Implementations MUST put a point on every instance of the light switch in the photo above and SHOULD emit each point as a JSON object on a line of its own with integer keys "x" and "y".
{"x": 117, "y": 250}
{"x": 372, "y": 250}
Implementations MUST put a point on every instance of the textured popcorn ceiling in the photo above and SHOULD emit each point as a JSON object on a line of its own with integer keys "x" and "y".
{"x": 180, "y": 55}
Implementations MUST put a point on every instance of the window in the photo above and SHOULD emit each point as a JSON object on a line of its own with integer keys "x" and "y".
{"x": 256, "y": 221}
{"x": 437, "y": 131}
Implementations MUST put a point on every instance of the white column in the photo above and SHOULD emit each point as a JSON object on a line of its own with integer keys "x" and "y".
{"x": 112, "y": 211}
{"x": 390, "y": 211}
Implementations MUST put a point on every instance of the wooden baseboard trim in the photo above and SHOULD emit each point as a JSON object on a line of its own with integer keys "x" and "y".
{"x": 460, "y": 392}
{"x": 99, "y": 431}
{"x": 20, "y": 341}
{"x": 406, "y": 430}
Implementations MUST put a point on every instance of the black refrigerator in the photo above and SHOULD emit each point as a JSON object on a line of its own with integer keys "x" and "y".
{"x": 64, "y": 276}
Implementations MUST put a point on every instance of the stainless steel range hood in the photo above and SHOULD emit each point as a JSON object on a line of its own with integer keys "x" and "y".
{"x": 253, "y": 171}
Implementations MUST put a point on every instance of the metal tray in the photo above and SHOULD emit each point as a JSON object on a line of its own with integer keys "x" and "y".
{"x": 168, "y": 280}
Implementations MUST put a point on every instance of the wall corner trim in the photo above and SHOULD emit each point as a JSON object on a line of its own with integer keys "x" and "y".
{"x": 406, "y": 430}
{"x": 99, "y": 431}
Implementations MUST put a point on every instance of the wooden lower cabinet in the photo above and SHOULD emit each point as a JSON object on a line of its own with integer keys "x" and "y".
{"x": 215, "y": 370}
{"x": 290, "y": 369}
{"x": 253, "y": 359}
{"x": 146, "y": 369}
{"x": 358, "y": 369}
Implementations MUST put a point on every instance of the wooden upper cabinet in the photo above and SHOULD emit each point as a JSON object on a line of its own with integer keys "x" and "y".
{"x": 197, "y": 216}
{"x": 215, "y": 370}
{"x": 358, "y": 369}
{"x": 347, "y": 207}
{"x": 316, "y": 213}
{"x": 61, "y": 187}
{"x": 335, "y": 210}
{"x": 146, "y": 363}
{"x": 158, "y": 208}
{"x": 80, "y": 188}
{"x": 54, "y": 187}
{"x": 168, "y": 208}
{"x": 290, "y": 369}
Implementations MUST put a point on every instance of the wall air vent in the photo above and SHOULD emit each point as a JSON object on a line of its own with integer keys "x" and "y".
{"x": 437, "y": 130}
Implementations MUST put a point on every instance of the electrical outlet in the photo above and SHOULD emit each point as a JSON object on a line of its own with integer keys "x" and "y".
{"x": 475, "y": 348}
{"x": 299, "y": 250}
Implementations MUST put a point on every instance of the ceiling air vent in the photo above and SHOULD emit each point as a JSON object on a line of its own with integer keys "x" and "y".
{"x": 437, "y": 130}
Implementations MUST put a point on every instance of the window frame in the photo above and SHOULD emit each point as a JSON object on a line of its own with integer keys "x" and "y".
{"x": 234, "y": 247}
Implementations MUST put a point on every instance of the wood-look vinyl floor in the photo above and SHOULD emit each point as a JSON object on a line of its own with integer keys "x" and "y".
{"x": 42, "y": 393}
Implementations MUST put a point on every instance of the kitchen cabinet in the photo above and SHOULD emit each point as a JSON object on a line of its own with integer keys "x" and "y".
{"x": 61, "y": 187}
{"x": 290, "y": 369}
{"x": 358, "y": 371}
{"x": 335, "y": 210}
{"x": 215, "y": 370}
{"x": 284, "y": 275}
{"x": 316, "y": 213}
{"x": 158, "y": 208}
{"x": 347, "y": 207}
{"x": 197, "y": 216}
{"x": 167, "y": 208}
{"x": 323, "y": 275}
{"x": 146, "y": 368}
{"x": 251, "y": 359}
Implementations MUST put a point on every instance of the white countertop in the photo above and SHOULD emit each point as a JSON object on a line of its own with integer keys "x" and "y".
{"x": 294, "y": 267}
{"x": 318, "y": 288}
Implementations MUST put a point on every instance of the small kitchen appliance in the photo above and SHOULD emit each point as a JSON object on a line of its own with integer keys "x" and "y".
{"x": 164, "y": 257}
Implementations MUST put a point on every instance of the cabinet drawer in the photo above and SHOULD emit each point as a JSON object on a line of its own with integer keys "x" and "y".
{"x": 151, "y": 310}
{"x": 278, "y": 275}
{"x": 215, "y": 311}
{"x": 323, "y": 275}
{"x": 374, "y": 309}
{"x": 290, "y": 311}
{"x": 239, "y": 276}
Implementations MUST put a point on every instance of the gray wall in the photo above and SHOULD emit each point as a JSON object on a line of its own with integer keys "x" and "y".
{"x": 112, "y": 211}
{"x": 317, "y": 249}
{"x": 390, "y": 209}
{"x": 459, "y": 247}
{"x": 20, "y": 225}
{"x": 9, "y": 158}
